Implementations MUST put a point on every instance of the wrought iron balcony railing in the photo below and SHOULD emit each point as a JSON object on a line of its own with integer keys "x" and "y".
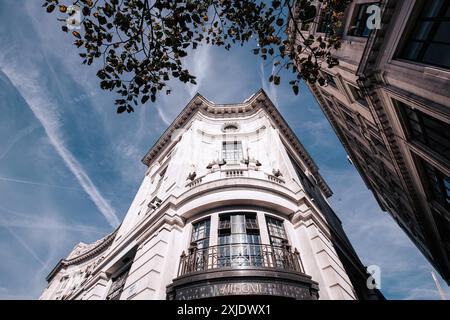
{"x": 239, "y": 255}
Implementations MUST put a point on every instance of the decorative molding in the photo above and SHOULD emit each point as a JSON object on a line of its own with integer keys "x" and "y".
{"x": 259, "y": 100}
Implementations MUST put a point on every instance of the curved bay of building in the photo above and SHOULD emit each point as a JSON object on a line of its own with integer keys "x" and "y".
{"x": 231, "y": 205}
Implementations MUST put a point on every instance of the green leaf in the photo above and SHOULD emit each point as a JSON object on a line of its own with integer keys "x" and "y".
{"x": 86, "y": 11}
{"x": 276, "y": 80}
{"x": 101, "y": 19}
{"x": 121, "y": 109}
{"x": 295, "y": 89}
{"x": 144, "y": 99}
{"x": 50, "y": 8}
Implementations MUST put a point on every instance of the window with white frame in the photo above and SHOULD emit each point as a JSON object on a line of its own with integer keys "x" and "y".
{"x": 232, "y": 151}
{"x": 239, "y": 240}
{"x": 276, "y": 231}
{"x": 200, "y": 233}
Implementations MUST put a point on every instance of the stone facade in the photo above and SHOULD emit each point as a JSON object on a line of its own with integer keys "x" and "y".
{"x": 389, "y": 103}
{"x": 231, "y": 204}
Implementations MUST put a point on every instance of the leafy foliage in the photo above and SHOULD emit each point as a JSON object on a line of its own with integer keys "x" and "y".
{"x": 140, "y": 44}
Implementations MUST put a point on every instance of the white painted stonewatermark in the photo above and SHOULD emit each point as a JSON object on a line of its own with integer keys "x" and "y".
{"x": 374, "y": 20}
{"x": 374, "y": 280}
{"x": 74, "y": 20}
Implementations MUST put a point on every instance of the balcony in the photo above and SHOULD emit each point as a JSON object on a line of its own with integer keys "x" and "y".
{"x": 239, "y": 255}
{"x": 241, "y": 269}
{"x": 238, "y": 172}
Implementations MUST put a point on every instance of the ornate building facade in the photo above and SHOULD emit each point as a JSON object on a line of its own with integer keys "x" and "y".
{"x": 389, "y": 103}
{"x": 231, "y": 204}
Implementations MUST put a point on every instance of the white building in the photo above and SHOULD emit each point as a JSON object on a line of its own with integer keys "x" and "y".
{"x": 231, "y": 204}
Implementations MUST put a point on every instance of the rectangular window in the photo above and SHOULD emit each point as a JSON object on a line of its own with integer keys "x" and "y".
{"x": 117, "y": 286}
{"x": 329, "y": 79}
{"x": 431, "y": 132}
{"x": 358, "y": 25}
{"x": 438, "y": 184}
{"x": 276, "y": 230}
{"x": 348, "y": 116}
{"x": 443, "y": 226}
{"x": 379, "y": 145}
{"x": 358, "y": 95}
{"x": 278, "y": 240}
{"x": 200, "y": 233}
{"x": 429, "y": 40}
{"x": 232, "y": 151}
{"x": 238, "y": 228}
{"x": 239, "y": 240}
{"x": 200, "y": 236}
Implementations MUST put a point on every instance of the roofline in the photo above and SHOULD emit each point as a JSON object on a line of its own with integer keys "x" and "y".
{"x": 108, "y": 239}
{"x": 258, "y": 99}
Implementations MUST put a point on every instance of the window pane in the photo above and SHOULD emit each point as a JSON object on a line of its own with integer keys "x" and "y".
{"x": 431, "y": 9}
{"x": 412, "y": 50}
{"x": 438, "y": 54}
{"x": 237, "y": 246}
{"x": 358, "y": 26}
{"x": 238, "y": 224}
{"x": 433, "y": 133}
{"x": 276, "y": 231}
{"x": 443, "y": 32}
{"x": 200, "y": 233}
{"x": 439, "y": 184}
{"x": 232, "y": 151}
{"x": 428, "y": 41}
{"x": 422, "y": 31}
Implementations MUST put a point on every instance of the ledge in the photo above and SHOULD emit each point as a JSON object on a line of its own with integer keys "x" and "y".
{"x": 249, "y": 281}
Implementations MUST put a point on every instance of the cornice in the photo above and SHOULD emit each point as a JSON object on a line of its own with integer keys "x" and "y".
{"x": 104, "y": 243}
{"x": 259, "y": 100}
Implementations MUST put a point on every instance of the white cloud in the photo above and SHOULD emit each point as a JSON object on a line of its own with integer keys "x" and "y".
{"x": 28, "y": 82}
{"x": 21, "y": 134}
{"x": 15, "y": 219}
{"x": 269, "y": 88}
{"x": 26, "y": 246}
{"x": 199, "y": 64}
{"x": 161, "y": 114}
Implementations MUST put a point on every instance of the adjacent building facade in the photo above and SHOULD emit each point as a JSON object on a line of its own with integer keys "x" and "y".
{"x": 231, "y": 205}
{"x": 389, "y": 103}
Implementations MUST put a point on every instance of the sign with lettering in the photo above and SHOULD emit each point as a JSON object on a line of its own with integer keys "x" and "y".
{"x": 244, "y": 288}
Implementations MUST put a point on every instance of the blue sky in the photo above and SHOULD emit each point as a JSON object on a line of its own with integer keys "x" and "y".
{"x": 70, "y": 166}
